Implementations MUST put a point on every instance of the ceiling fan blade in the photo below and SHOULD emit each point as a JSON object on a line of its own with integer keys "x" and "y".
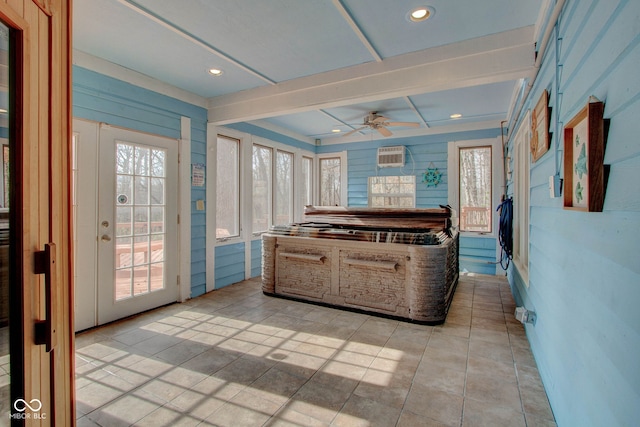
{"x": 354, "y": 131}
{"x": 384, "y": 131}
{"x": 408, "y": 124}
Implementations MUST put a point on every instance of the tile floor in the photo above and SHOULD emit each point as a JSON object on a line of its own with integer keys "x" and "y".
{"x": 236, "y": 357}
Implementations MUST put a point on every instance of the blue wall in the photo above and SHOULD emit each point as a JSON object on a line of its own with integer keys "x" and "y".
{"x": 584, "y": 269}
{"x": 477, "y": 254}
{"x": 104, "y": 99}
{"x": 230, "y": 261}
{"x": 256, "y": 258}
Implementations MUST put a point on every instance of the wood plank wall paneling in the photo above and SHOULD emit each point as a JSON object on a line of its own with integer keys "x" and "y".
{"x": 584, "y": 271}
{"x": 229, "y": 263}
{"x": 17, "y": 5}
{"x": 256, "y": 258}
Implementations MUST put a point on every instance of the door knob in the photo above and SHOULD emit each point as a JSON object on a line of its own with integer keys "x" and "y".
{"x": 105, "y": 238}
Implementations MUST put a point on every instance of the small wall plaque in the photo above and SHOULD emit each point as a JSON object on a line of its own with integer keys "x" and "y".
{"x": 584, "y": 159}
{"x": 540, "y": 127}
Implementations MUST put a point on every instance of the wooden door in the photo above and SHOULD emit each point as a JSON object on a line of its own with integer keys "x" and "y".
{"x": 41, "y": 346}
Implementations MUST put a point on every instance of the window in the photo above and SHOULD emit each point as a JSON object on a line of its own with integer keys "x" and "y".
{"x": 284, "y": 187}
{"x": 227, "y": 188}
{"x": 521, "y": 200}
{"x": 392, "y": 191}
{"x": 262, "y": 188}
{"x": 307, "y": 181}
{"x": 474, "y": 173}
{"x": 475, "y": 188}
{"x": 330, "y": 181}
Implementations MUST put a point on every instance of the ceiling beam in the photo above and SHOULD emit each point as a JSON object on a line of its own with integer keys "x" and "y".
{"x": 357, "y": 30}
{"x": 490, "y": 59}
{"x": 413, "y": 108}
{"x": 408, "y": 133}
{"x": 164, "y": 22}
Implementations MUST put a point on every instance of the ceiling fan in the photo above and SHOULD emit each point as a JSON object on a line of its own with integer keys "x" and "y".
{"x": 379, "y": 123}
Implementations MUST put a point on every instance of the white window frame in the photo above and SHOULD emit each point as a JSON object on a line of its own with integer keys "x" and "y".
{"x": 246, "y": 194}
{"x": 307, "y": 187}
{"x": 292, "y": 188}
{"x": 342, "y": 155}
{"x": 453, "y": 176}
{"x": 370, "y": 194}
{"x": 270, "y": 206}
{"x": 241, "y": 181}
{"x": 521, "y": 179}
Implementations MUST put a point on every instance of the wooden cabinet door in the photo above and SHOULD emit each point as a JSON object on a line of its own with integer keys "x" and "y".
{"x": 41, "y": 346}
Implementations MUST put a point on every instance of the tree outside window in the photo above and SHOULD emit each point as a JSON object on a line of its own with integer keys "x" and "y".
{"x": 330, "y": 182}
{"x": 475, "y": 189}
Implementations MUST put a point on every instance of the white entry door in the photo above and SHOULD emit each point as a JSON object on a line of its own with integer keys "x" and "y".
{"x": 137, "y": 223}
{"x": 125, "y": 201}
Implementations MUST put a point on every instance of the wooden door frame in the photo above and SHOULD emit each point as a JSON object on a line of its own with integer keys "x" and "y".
{"x": 40, "y": 131}
{"x": 17, "y": 26}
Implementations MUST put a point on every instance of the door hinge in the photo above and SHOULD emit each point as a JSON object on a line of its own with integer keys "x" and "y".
{"x": 178, "y": 281}
{"x": 178, "y": 219}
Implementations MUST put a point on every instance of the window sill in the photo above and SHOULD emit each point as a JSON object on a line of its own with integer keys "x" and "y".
{"x": 477, "y": 234}
{"x": 228, "y": 240}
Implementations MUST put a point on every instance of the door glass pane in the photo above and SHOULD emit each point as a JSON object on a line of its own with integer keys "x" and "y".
{"x": 475, "y": 189}
{"x": 330, "y": 182}
{"x": 284, "y": 188}
{"x": 157, "y": 191}
{"x": 123, "y": 221}
{"x": 262, "y": 158}
{"x": 141, "y": 161}
{"x": 124, "y": 188}
{"x": 140, "y": 220}
{"x": 5, "y": 377}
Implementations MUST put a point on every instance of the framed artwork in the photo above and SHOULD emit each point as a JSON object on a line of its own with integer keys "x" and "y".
{"x": 584, "y": 159}
{"x": 540, "y": 127}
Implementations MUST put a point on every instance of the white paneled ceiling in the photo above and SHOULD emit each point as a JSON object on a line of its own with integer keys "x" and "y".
{"x": 312, "y": 66}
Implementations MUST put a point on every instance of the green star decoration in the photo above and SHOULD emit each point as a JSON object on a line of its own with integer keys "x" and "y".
{"x": 579, "y": 189}
{"x": 432, "y": 177}
{"x": 581, "y": 164}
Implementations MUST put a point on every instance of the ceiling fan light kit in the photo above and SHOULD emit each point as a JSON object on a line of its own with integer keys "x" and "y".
{"x": 380, "y": 123}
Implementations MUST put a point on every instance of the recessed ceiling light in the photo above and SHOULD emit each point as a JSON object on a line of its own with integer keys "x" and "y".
{"x": 215, "y": 72}
{"x": 421, "y": 14}
{"x": 336, "y": 130}
{"x": 456, "y": 116}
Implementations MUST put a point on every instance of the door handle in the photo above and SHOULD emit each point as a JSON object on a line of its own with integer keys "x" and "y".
{"x": 105, "y": 238}
{"x": 45, "y": 330}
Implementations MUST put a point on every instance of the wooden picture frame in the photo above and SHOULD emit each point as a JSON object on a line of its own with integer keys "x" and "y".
{"x": 540, "y": 127}
{"x": 584, "y": 159}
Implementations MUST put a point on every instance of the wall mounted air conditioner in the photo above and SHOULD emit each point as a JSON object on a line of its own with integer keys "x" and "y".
{"x": 389, "y": 157}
